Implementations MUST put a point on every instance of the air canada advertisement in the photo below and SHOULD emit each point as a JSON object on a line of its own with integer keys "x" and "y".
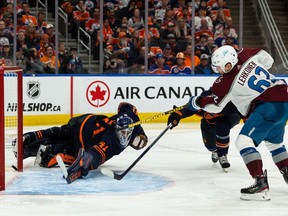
{"x": 102, "y": 94}
{"x": 147, "y": 93}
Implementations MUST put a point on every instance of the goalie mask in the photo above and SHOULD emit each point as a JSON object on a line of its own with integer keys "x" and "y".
{"x": 124, "y": 135}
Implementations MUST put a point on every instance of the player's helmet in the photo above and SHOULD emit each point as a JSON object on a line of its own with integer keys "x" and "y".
{"x": 222, "y": 56}
{"x": 180, "y": 55}
{"x": 124, "y": 135}
{"x": 124, "y": 107}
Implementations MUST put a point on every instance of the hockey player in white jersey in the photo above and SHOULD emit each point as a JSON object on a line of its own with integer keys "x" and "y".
{"x": 245, "y": 86}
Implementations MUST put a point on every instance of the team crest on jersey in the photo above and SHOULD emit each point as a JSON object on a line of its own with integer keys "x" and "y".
{"x": 218, "y": 80}
{"x": 33, "y": 89}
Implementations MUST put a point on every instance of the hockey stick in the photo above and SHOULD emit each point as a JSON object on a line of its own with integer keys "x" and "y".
{"x": 73, "y": 176}
{"x": 152, "y": 118}
{"x": 120, "y": 176}
{"x": 62, "y": 166}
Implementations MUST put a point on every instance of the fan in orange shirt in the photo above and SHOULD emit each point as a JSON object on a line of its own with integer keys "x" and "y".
{"x": 27, "y": 17}
{"x": 67, "y": 7}
{"x": 49, "y": 60}
{"x": 80, "y": 16}
{"x": 188, "y": 59}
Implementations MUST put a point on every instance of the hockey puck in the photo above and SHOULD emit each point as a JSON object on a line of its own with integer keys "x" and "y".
{"x": 15, "y": 168}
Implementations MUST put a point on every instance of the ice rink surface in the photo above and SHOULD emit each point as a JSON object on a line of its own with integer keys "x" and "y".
{"x": 175, "y": 178}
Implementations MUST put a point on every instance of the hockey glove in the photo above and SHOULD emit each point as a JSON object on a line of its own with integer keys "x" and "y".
{"x": 193, "y": 103}
{"x": 80, "y": 166}
{"x": 174, "y": 118}
{"x": 139, "y": 142}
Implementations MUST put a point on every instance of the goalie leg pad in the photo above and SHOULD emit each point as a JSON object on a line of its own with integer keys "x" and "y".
{"x": 46, "y": 156}
{"x": 32, "y": 149}
{"x": 29, "y": 137}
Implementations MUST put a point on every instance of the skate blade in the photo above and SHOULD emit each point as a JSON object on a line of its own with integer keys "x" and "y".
{"x": 225, "y": 170}
{"x": 262, "y": 196}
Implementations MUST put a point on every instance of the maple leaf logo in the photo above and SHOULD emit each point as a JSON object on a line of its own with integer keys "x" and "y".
{"x": 98, "y": 94}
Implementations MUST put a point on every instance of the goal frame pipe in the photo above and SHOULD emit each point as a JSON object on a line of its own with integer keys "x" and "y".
{"x": 2, "y": 132}
{"x": 19, "y": 124}
{"x": 20, "y": 121}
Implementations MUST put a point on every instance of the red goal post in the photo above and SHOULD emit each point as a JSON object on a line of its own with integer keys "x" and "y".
{"x": 11, "y": 120}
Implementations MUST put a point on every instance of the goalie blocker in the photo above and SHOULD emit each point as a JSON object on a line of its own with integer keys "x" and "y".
{"x": 95, "y": 134}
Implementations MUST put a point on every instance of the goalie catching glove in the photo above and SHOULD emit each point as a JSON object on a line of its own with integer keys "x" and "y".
{"x": 139, "y": 142}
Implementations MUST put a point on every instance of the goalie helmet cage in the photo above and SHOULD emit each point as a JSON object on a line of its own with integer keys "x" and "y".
{"x": 11, "y": 120}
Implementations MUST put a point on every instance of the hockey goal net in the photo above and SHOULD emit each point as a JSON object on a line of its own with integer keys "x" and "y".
{"x": 11, "y": 121}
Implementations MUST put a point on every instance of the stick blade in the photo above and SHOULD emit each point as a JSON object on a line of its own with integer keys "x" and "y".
{"x": 111, "y": 174}
{"x": 118, "y": 177}
{"x": 107, "y": 172}
{"x": 62, "y": 166}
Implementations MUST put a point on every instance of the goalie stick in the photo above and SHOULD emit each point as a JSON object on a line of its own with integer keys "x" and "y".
{"x": 72, "y": 176}
{"x": 62, "y": 166}
{"x": 152, "y": 118}
{"x": 69, "y": 178}
{"x": 117, "y": 176}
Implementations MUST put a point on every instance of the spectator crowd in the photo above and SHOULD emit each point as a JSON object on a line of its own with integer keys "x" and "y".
{"x": 169, "y": 35}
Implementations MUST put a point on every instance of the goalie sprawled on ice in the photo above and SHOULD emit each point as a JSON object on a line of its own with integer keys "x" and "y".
{"x": 95, "y": 134}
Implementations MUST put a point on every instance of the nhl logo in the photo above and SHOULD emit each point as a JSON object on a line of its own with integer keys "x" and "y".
{"x": 33, "y": 89}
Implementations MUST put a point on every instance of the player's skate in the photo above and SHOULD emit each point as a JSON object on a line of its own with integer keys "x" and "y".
{"x": 258, "y": 191}
{"x": 214, "y": 156}
{"x": 44, "y": 155}
{"x": 224, "y": 163}
{"x": 27, "y": 139}
{"x": 284, "y": 172}
{"x": 14, "y": 147}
